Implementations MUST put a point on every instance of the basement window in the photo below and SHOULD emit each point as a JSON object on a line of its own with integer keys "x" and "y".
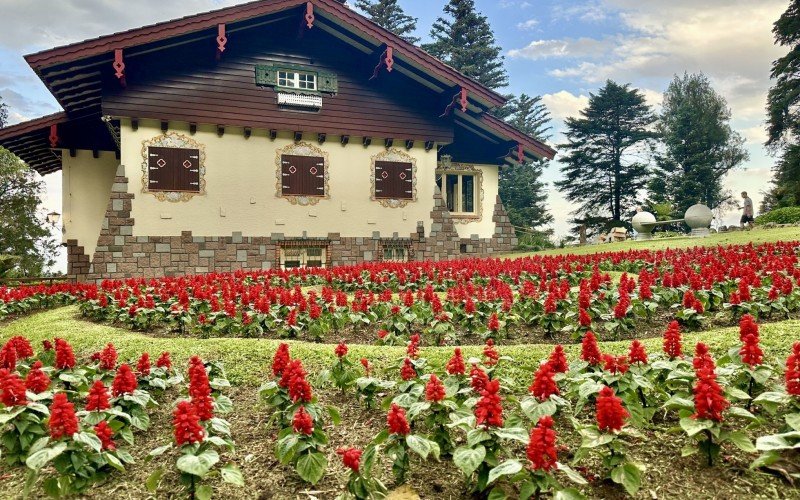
{"x": 293, "y": 257}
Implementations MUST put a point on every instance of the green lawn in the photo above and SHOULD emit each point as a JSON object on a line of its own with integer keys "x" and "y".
{"x": 247, "y": 360}
{"x": 755, "y": 236}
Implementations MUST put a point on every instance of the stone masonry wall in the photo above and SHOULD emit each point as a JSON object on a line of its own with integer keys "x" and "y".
{"x": 119, "y": 254}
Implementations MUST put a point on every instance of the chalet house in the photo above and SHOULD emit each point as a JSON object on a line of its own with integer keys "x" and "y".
{"x": 278, "y": 133}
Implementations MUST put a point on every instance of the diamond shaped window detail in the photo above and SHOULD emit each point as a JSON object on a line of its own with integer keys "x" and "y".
{"x": 313, "y": 170}
{"x": 161, "y": 162}
{"x": 187, "y": 164}
{"x": 292, "y": 169}
{"x": 385, "y": 174}
{"x": 402, "y": 175}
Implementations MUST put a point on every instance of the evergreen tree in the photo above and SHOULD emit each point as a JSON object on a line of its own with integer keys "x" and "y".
{"x": 783, "y": 110}
{"x": 464, "y": 40}
{"x": 389, "y": 14}
{"x": 521, "y": 189}
{"x": 700, "y": 147}
{"x": 603, "y": 164}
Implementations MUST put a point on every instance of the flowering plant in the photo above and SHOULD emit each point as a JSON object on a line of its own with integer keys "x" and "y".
{"x": 360, "y": 484}
{"x": 397, "y": 440}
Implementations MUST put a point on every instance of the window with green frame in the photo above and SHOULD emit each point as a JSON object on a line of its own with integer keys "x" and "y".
{"x": 296, "y": 78}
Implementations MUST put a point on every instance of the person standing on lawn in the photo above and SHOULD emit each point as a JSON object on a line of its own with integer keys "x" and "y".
{"x": 747, "y": 214}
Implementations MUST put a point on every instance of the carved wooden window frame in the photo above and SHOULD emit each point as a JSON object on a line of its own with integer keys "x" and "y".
{"x": 173, "y": 140}
{"x": 301, "y": 149}
{"x": 461, "y": 169}
{"x": 394, "y": 155}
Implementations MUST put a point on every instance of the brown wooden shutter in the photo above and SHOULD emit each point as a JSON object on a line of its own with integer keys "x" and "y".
{"x": 173, "y": 169}
{"x": 303, "y": 175}
{"x": 394, "y": 179}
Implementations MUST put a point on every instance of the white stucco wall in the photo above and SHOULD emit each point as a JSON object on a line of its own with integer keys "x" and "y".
{"x": 241, "y": 189}
{"x": 86, "y": 188}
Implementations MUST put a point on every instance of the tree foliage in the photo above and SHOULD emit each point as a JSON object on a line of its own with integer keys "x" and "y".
{"x": 388, "y": 14}
{"x": 521, "y": 189}
{"x": 605, "y": 167}
{"x": 463, "y": 39}
{"x": 783, "y": 111}
{"x": 700, "y": 147}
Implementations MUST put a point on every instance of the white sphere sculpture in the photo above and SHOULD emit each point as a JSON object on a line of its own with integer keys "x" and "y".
{"x": 698, "y": 216}
{"x": 642, "y": 217}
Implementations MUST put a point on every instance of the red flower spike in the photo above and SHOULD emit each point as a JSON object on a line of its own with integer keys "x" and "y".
{"x": 456, "y": 364}
{"x": 186, "y": 425}
{"x": 407, "y": 371}
{"x": 63, "y": 422}
{"x": 98, "y": 398}
{"x": 610, "y": 414}
{"x": 490, "y": 353}
{"x": 541, "y": 450}
{"x": 366, "y": 365}
{"x": 489, "y": 409}
{"x": 37, "y": 381}
{"x": 702, "y": 359}
{"x": 590, "y": 351}
{"x": 12, "y": 389}
{"x": 434, "y": 389}
{"x": 124, "y": 381}
{"x": 105, "y": 433}
{"x": 413, "y": 347}
{"x": 350, "y": 458}
{"x": 751, "y": 352}
{"x": 709, "y": 400}
{"x": 341, "y": 350}
{"x": 397, "y": 422}
{"x": 164, "y": 361}
{"x": 544, "y": 384}
{"x": 494, "y": 323}
{"x": 302, "y": 422}
{"x": 8, "y": 356}
{"x": 65, "y": 358}
{"x": 792, "y": 374}
{"x": 280, "y": 360}
{"x": 637, "y": 353}
{"x": 478, "y": 378}
{"x": 22, "y": 346}
{"x": 143, "y": 365}
{"x": 616, "y": 365}
{"x": 558, "y": 360}
{"x": 108, "y": 357}
{"x": 672, "y": 340}
{"x": 747, "y": 326}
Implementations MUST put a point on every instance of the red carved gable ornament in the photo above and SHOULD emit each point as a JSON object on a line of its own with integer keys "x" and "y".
{"x": 309, "y": 15}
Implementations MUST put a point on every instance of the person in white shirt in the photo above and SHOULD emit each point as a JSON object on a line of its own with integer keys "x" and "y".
{"x": 747, "y": 213}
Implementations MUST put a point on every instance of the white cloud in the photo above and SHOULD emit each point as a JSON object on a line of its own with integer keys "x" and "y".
{"x": 528, "y": 25}
{"x": 563, "y": 104}
{"x": 593, "y": 11}
{"x": 564, "y": 48}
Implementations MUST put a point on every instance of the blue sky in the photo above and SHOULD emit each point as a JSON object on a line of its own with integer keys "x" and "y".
{"x": 562, "y": 50}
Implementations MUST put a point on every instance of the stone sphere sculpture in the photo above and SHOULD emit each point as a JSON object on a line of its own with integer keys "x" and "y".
{"x": 698, "y": 216}
{"x": 642, "y": 217}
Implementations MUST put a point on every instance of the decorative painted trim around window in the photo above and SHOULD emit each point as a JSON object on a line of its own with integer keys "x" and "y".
{"x": 462, "y": 168}
{"x": 393, "y": 154}
{"x": 301, "y": 149}
{"x": 173, "y": 140}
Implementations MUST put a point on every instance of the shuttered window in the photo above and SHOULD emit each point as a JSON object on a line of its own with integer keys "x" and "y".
{"x": 173, "y": 169}
{"x": 394, "y": 179}
{"x": 303, "y": 175}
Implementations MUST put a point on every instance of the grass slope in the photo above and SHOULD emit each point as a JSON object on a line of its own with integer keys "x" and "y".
{"x": 755, "y": 236}
{"x": 247, "y": 360}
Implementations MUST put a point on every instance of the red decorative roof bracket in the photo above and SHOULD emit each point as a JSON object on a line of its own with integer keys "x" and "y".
{"x": 520, "y": 154}
{"x": 464, "y": 101}
{"x": 309, "y": 17}
{"x": 53, "y": 135}
{"x": 389, "y": 59}
{"x": 222, "y": 39}
{"x": 459, "y": 98}
{"x": 119, "y": 66}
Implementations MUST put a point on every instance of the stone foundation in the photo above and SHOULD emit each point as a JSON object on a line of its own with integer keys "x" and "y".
{"x": 119, "y": 254}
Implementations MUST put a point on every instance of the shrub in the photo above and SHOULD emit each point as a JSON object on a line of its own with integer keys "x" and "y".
{"x": 786, "y": 215}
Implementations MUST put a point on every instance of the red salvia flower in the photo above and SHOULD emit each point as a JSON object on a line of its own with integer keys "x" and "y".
{"x": 8, "y": 356}
{"x": 616, "y": 365}
{"x": 108, "y": 357}
{"x": 397, "y": 422}
{"x": 63, "y": 422}
{"x": 489, "y": 409}
{"x": 37, "y": 381}
{"x": 105, "y": 433}
{"x": 792, "y": 374}
{"x": 490, "y": 353}
{"x": 590, "y": 351}
{"x": 413, "y": 347}
{"x": 584, "y": 320}
{"x": 672, "y": 340}
{"x": 294, "y": 379}
{"x": 124, "y": 381}
{"x": 494, "y": 323}
{"x": 558, "y": 360}
{"x": 47, "y": 345}
{"x": 164, "y": 361}
{"x": 637, "y": 353}
{"x": 143, "y": 365}
{"x": 478, "y": 378}
{"x": 621, "y": 309}
{"x": 302, "y": 422}
{"x": 366, "y": 365}
{"x": 611, "y": 415}
{"x": 751, "y": 352}
{"x": 12, "y": 389}
{"x": 544, "y": 383}
{"x": 541, "y": 450}
{"x": 455, "y": 366}
{"x": 200, "y": 389}
{"x": 280, "y": 360}
{"x": 702, "y": 359}
{"x": 22, "y": 346}
{"x": 350, "y": 457}
{"x": 98, "y": 398}
{"x": 407, "y": 371}
{"x": 186, "y": 424}
{"x": 709, "y": 401}
{"x": 65, "y": 358}
{"x": 341, "y": 350}
{"x": 434, "y": 389}
{"x": 747, "y": 326}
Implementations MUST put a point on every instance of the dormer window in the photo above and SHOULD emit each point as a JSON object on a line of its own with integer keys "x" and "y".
{"x": 297, "y": 80}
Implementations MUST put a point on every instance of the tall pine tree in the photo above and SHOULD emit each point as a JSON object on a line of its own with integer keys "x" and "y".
{"x": 521, "y": 189}
{"x": 389, "y": 14}
{"x": 603, "y": 170}
{"x": 700, "y": 146}
{"x": 464, "y": 40}
{"x": 783, "y": 111}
